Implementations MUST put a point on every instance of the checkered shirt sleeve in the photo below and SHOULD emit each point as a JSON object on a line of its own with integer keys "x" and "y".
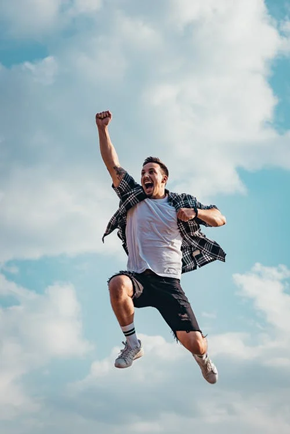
{"x": 130, "y": 193}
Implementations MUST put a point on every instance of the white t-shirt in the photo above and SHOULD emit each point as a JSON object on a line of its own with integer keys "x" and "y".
{"x": 153, "y": 238}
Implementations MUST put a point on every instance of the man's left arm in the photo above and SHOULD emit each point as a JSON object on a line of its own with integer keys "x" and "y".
{"x": 211, "y": 216}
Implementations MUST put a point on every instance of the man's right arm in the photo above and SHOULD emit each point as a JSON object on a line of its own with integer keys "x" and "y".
{"x": 108, "y": 152}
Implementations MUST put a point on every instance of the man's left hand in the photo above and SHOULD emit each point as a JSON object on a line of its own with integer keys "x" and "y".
{"x": 186, "y": 214}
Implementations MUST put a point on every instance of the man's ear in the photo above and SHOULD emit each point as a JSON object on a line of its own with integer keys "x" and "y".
{"x": 165, "y": 179}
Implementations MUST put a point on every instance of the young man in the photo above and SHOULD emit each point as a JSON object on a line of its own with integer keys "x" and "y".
{"x": 160, "y": 231}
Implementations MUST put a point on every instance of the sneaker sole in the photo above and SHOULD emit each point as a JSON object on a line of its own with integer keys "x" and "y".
{"x": 213, "y": 380}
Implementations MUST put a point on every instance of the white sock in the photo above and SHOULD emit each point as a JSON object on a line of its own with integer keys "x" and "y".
{"x": 202, "y": 356}
{"x": 131, "y": 337}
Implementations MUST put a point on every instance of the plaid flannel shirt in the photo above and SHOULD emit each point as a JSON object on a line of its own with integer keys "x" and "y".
{"x": 197, "y": 249}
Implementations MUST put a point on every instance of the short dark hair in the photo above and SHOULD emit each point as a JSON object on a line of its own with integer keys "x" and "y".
{"x": 158, "y": 161}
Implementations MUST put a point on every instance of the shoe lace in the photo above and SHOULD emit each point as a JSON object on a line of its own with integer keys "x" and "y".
{"x": 126, "y": 352}
{"x": 208, "y": 365}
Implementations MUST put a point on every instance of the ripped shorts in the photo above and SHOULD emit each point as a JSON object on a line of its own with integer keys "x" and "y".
{"x": 166, "y": 295}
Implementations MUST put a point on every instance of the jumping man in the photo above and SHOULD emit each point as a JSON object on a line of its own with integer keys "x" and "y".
{"x": 160, "y": 232}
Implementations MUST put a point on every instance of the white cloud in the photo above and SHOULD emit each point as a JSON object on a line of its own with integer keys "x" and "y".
{"x": 243, "y": 359}
{"x": 218, "y": 104}
{"x": 174, "y": 397}
{"x": 85, "y": 6}
{"x": 48, "y": 216}
{"x": 185, "y": 80}
{"x": 138, "y": 34}
{"x": 35, "y": 330}
{"x": 33, "y": 18}
{"x": 166, "y": 383}
{"x": 267, "y": 288}
{"x": 28, "y": 17}
{"x": 43, "y": 71}
{"x": 189, "y": 80}
{"x": 269, "y": 344}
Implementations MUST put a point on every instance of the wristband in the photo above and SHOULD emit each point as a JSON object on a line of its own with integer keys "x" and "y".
{"x": 196, "y": 212}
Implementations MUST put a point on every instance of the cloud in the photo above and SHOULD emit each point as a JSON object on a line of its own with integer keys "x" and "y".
{"x": 40, "y": 18}
{"x": 164, "y": 390}
{"x": 174, "y": 395}
{"x": 268, "y": 289}
{"x": 31, "y": 18}
{"x": 11, "y": 269}
{"x": 189, "y": 80}
{"x": 218, "y": 103}
{"x": 43, "y": 71}
{"x": 35, "y": 328}
{"x": 41, "y": 215}
{"x": 84, "y": 6}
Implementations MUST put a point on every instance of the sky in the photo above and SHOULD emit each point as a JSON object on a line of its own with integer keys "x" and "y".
{"x": 204, "y": 86}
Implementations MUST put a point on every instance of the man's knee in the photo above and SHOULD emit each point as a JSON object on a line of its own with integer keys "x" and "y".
{"x": 120, "y": 286}
{"x": 194, "y": 341}
{"x": 199, "y": 344}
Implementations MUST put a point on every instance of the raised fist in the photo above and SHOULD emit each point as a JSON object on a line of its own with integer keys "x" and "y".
{"x": 103, "y": 118}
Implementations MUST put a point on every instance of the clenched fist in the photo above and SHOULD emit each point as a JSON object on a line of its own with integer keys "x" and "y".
{"x": 103, "y": 118}
{"x": 186, "y": 214}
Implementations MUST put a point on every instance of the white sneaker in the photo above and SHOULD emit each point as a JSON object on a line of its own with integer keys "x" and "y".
{"x": 208, "y": 369}
{"x": 128, "y": 355}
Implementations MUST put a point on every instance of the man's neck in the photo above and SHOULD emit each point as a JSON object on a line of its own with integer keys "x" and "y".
{"x": 160, "y": 196}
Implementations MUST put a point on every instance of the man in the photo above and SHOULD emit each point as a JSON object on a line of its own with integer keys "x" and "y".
{"x": 160, "y": 231}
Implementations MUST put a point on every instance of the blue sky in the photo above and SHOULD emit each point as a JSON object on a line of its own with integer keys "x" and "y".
{"x": 204, "y": 86}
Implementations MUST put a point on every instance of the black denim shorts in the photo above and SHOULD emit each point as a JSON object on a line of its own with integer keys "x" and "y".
{"x": 166, "y": 295}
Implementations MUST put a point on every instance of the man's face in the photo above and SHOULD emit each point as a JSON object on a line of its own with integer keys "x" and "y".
{"x": 153, "y": 180}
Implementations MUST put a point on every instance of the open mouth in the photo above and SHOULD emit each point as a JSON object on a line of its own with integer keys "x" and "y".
{"x": 148, "y": 186}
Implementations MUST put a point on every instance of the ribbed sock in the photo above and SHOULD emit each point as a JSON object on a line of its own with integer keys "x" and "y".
{"x": 202, "y": 356}
{"x": 130, "y": 334}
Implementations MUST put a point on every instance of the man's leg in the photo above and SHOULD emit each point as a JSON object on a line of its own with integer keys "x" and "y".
{"x": 175, "y": 308}
{"x": 121, "y": 293}
{"x": 196, "y": 343}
